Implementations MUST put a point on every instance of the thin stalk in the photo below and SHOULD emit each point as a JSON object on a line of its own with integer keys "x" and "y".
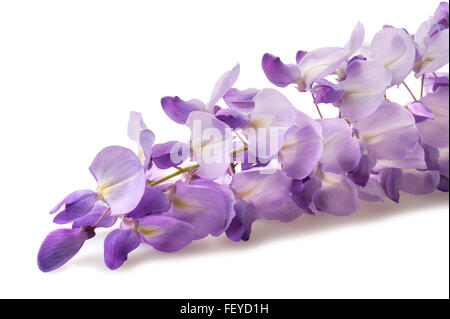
{"x": 409, "y": 90}
{"x": 180, "y": 171}
{"x": 101, "y": 217}
{"x": 421, "y": 86}
{"x": 317, "y": 106}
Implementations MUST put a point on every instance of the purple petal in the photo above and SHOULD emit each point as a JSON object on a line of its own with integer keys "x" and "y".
{"x": 301, "y": 150}
{"x": 146, "y": 140}
{"x": 420, "y": 112}
{"x": 120, "y": 178}
{"x": 432, "y": 157}
{"x": 435, "y": 132}
{"x": 71, "y": 198}
{"x": 233, "y": 118}
{"x": 435, "y": 54}
{"x": 279, "y": 73}
{"x": 285, "y": 213}
{"x": 341, "y": 152}
{"x": 443, "y": 161}
{"x": 356, "y": 39}
{"x": 300, "y": 55}
{"x": 364, "y": 86}
{"x": 153, "y": 201}
{"x": 179, "y": 110}
{"x": 77, "y": 209}
{"x": 60, "y": 246}
{"x": 389, "y": 179}
{"x": 91, "y": 218}
{"x": 303, "y": 197}
{"x": 372, "y": 191}
{"x": 327, "y": 92}
{"x": 225, "y": 82}
{"x": 419, "y": 182}
{"x": 170, "y": 154}
{"x": 165, "y": 233}
{"x": 433, "y": 82}
{"x": 211, "y": 144}
{"x": 388, "y": 139}
{"x": 360, "y": 176}
{"x": 320, "y": 63}
{"x": 442, "y": 14}
{"x": 443, "y": 184}
{"x": 414, "y": 159}
{"x": 118, "y": 244}
{"x": 241, "y": 225}
{"x": 272, "y": 117}
{"x": 337, "y": 196}
{"x": 262, "y": 188}
{"x": 394, "y": 48}
{"x": 241, "y": 100}
{"x": 206, "y": 205}
{"x": 135, "y": 125}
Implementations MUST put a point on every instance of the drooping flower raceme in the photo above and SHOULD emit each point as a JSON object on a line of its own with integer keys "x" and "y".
{"x": 254, "y": 155}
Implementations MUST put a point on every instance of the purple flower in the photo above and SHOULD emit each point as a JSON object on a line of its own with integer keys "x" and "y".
{"x": 170, "y": 154}
{"x": 261, "y": 194}
{"x": 433, "y": 82}
{"x": 233, "y": 118}
{"x": 394, "y": 48}
{"x": 420, "y": 112}
{"x": 211, "y": 144}
{"x": 204, "y": 204}
{"x": 364, "y": 89}
{"x": 138, "y": 132}
{"x": 94, "y": 215}
{"x": 120, "y": 178}
{"x": 327, "y": 92}
{"x": 241, "y": 100}
{"x": 389, "y": 133}
{"x": 121, "y": 182}
{"x": 279, "y": 73}
{"x": 61, "y": 245}
{"x": 431, "y": 41}
{"x": 271, "y": 118}
{"x": 435, "y": 132}
{"x": 179, "y": 110}
{"x": 153, "y": 201}
{"x": 311, "y": 66}
{"x": 301, "y": 150}
{"x": 161, "y": 232}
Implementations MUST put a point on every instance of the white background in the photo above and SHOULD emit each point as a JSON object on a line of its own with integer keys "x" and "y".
{"x": 70, "y": 72}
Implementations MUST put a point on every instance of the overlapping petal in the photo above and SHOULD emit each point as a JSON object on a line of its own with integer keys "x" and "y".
{"x": 394, "y": 48}
{"x": 170, "y": 154}
{"x": 204, "y": 204}
{"x": 435, "y": 132}
{"x": 389, "y": 133}
{"x": 279, "y": 73}
{"x": 364, "y": 88}
{"x": 211, "y": 141}
{"x": 153, "y": 201}
{"x": 301, "y": 150}
{"x": 223, "y": 84}
{"x": 320, "y": 63}
{"x": 341, "y": 151}
{"x": 120, "y": 178}
{"x": 165, "y": 233}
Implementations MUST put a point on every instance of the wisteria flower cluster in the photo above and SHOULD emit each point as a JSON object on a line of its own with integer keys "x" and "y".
{"x": 253, "y": 155}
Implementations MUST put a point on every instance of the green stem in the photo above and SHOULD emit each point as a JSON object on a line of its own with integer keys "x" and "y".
{"x": 190, "y": 168}
{"x": 180, "y": 171}
{"x": 239, "y": 150}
